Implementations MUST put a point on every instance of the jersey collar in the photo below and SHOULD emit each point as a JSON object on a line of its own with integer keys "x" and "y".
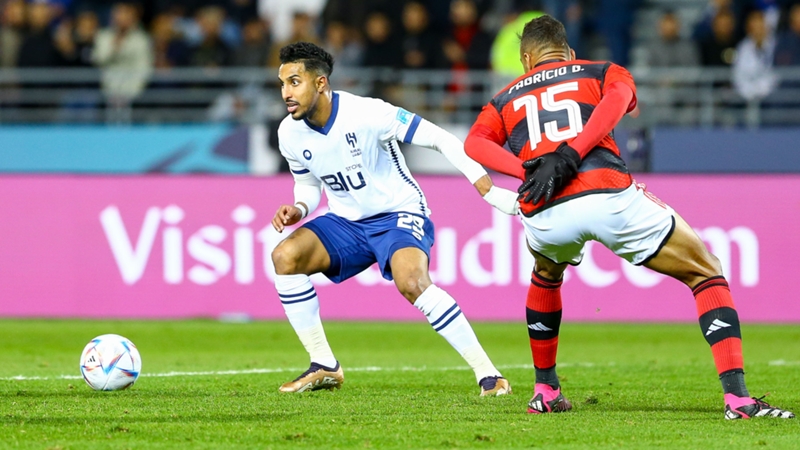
{"x": 329, "y": 124}
{"x": 548, "y": 61}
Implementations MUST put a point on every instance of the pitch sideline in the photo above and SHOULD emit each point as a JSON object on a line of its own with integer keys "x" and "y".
{"x": 292, "y": 370}
{"x": 778, "y": 362}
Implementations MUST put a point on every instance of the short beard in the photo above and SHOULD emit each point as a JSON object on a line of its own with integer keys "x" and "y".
{"x": 308, "y": 113}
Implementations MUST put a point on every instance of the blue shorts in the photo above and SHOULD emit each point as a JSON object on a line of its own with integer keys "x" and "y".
{"x": 355, "y": 245}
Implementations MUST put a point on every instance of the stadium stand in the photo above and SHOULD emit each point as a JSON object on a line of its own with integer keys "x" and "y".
{"x": 213, "y": 61}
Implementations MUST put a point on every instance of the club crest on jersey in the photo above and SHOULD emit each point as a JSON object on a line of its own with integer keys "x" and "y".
{"x": 353, "y": 141}
{"x": 307, "y": 154}
{"x": 404, "y": 116}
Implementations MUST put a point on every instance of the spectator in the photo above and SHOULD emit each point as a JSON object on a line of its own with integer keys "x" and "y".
{"x": 280, "y": 14}
{"x": 568, "y": 12}
{"x": 123, "y": 52}
{"x": 303, "y": 29}
{"x": 11, "y": 32}
{"x": 100, "y": 7}
{"x": 753, "y": 76}
{"x": 59, "y": 8}
{"x": 255, "y": 48}
{"x": 467, "y": 46}
{"x": 171, "y": 7}
{"x": 672, "y": 105}
{"x": 212, "y": 51}
{"x": 704, "y": 29}
{"x": 76, "y": 45}
{"x": 505, "y": 48}
{"x": 382, "y": 49}
{"x": 787, "y": 50}
{"x": 38, "y": 48}
{"x": 422, "y": 47}
{"x": 242, "y": 11}
{"x": 719, "y": 48}
{"x": 671, "y": 50}
{"x": 354, "y": 13}
{"x": 345, "y": 48}
{"x": 772, "y": 13}
{"x": 169, "y": 48}
{"x": 615, "y": 21}
{"x": 187, "y": 14}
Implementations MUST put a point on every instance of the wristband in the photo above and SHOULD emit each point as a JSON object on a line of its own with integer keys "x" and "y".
{"x": 303, "y": 209}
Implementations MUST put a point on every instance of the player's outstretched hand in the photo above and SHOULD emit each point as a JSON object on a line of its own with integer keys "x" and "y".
{"x": 547, "y": 174}
{"x": 286, "y": 216}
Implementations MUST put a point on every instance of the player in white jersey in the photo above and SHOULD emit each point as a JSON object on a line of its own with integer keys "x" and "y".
{"x": 347, "y": 145}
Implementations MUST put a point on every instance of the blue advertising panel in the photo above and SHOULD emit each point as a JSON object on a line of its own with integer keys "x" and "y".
{"x": 124, "y": 149}
{"x": 761, "y": 150}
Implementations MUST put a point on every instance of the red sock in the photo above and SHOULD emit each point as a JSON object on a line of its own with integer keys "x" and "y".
{"x": 719, "y": 323}
{"x": 543, "y": 307}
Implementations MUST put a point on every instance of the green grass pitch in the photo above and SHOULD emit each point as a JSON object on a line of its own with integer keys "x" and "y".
{"x": 633, "y": 386}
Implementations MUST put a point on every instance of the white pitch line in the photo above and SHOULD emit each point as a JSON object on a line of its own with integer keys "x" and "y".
{"x": 293, "y": 369}
{"x": 783, "y": 362}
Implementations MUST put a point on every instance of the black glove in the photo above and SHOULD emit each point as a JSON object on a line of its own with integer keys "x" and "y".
{"x": 545, "y": 175}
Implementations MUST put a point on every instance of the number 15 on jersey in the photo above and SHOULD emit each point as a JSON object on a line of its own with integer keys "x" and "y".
{"x": 549, "y": 103}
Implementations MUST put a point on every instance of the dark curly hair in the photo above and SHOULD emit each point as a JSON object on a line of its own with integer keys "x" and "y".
{"x": 313, "y": 57}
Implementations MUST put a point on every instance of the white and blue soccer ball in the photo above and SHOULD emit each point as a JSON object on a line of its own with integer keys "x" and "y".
{"x": 110, "y": 362}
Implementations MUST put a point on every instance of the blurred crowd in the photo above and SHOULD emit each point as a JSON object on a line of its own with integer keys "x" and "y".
{"x": 131, "y": 39}
{"x": 424, "y": 34}
{"x": 752, "y": 37}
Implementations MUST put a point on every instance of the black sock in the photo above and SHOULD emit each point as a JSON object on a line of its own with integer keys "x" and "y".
{"x": 547, "y": 376}
{"x": 733, "y": 383}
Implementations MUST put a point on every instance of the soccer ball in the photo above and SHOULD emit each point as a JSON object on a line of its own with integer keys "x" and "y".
{"x": 110, "y": 362}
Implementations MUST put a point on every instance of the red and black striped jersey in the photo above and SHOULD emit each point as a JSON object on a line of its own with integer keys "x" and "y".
{"x": 551, "y": 104}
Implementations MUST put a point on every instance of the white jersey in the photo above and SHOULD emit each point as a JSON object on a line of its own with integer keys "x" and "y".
{"x": 356, "y": 157}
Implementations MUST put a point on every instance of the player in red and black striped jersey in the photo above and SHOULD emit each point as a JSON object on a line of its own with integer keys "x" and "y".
{"x": 552, "y": 104}
{"x": 557, "y": 120}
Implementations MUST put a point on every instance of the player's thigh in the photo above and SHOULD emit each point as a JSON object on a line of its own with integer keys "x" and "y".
{"x": 347, "y": 245}
{"x": 402, "y": 243}
{"x": 685, "y": 257}
{"x": 634, "y": 224}
{"x": 556, "y": 235}
{"x": 301, "y": 252}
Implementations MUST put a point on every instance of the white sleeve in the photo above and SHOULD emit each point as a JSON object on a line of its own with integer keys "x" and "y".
{"x": 307, "y": 188}
{"x": 394, "y": 123}
{"x": 426, "y": 134}
{"x": 307, "y": 194}
{"x": 401, "y": 125}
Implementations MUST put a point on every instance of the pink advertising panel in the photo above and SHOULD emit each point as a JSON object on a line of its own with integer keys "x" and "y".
{"x": 199, "y": 246}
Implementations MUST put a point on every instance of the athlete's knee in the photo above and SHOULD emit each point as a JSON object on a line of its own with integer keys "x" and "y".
{"x": 707, "y": 264}
{"x": 715, "y": 267}
{"x": 549, "y": 271}
{"x": 412, "y": 283}
{"x": 546, "y": 268}
{"x": 286, "y": 258}
{"x": 699, "y": 270}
